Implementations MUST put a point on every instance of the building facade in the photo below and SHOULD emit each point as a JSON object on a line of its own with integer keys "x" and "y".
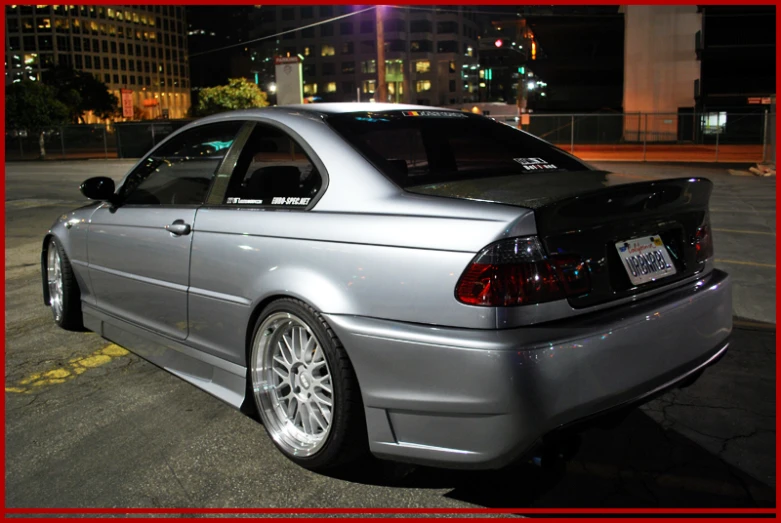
{"x": 213, "y": 33}
{"x": 660, "y": 70}
{"x": 736, "y": 49}
{"x": 430, "y": 53}
{"x": 142, "y": 49}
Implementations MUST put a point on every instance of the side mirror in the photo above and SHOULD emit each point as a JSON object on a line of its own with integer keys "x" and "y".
{"x": 98, "y": 188}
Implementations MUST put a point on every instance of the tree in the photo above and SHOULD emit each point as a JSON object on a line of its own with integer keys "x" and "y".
{"x": 240, "y": 93}
{"x": 33, "y": 107}
{"x": 81, "y": 92}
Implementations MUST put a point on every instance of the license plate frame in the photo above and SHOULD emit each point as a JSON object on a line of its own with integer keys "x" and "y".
{"x": 645, "y": 259}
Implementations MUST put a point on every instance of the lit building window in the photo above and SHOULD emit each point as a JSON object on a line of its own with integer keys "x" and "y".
{"x": 330, "y": 87}
{"x": 110, "y": 13}
{"x": 327, "y": 50}
{"x": 712, "y": 123}
{"x": 422, "y": 66}
{"x": 369, "y": 66}
{"x": 307, "y": 51}
{"x": 44, "y": 23}
{"x": 310, "y": 89}
{"x": 423, "y": 85}
{"x": 369, "y": 86}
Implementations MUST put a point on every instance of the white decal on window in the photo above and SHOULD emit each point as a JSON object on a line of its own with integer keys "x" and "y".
{"x": 535, "y": 164}
{"x": 242, "y": 201}
{"x": 281, "y": 200}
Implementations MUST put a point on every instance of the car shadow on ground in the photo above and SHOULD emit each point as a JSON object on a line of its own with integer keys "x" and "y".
{"x": 636, "y": 463}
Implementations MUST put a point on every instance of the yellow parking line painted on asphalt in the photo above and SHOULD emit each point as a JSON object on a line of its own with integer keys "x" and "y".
{"x": 745, "y": 232}
{"x": 753, "y": 264}
{"x": 69, "y": 371}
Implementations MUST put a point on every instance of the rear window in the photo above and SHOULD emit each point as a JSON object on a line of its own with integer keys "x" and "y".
{"x": 427, "y": 147}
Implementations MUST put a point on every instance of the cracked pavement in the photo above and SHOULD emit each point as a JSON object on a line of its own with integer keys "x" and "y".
{"x": 123, "y": 433}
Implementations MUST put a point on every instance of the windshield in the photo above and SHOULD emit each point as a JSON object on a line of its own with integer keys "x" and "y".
{"x": 429, "y": 147}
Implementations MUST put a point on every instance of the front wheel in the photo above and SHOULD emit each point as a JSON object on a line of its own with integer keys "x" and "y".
{"x": 64, "y": 295}
{"x": 305, "y": 388}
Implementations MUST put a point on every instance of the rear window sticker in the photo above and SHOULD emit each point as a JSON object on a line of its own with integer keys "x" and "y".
{"x": 437, "y": 114}
{"x": 535, "y": 164}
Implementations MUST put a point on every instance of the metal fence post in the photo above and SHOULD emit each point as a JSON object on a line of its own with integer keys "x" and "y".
{"x": 105, "y": 143}
{"x": 764, "y": 138}
{"x": 718, "y": 132}
{"x": 62, "y": 140}
{"x": 645, "y": 135}
{"x": 572, "y": 135}
{"x": 153, "y": 134}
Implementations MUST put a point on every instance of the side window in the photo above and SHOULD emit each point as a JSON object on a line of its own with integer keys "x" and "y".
{"x": 273, "y": 170}
{"x": 181, "y": 171}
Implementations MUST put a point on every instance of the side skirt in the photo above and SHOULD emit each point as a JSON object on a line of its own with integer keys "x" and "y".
{"x": 222, "y": 379}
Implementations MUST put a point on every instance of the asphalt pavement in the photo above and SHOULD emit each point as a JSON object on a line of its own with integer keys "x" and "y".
{"x": 89, "y": 424}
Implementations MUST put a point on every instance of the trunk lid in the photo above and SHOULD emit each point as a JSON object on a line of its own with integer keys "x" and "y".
{"x": 587, "y": 213}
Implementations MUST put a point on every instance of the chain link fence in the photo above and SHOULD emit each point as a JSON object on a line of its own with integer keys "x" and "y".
{"x": 706, "y": 137}
{"x": 73, "y": 142}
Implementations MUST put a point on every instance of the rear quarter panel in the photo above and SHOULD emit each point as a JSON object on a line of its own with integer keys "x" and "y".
{"x": 395, "y": 267}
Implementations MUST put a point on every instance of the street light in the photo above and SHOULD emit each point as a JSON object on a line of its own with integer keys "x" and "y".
{"x": 272, "y": 88}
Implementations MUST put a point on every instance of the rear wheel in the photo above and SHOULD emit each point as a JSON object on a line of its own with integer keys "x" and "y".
{"x": 64, "y": 295}
{"x": 305, "y": 388}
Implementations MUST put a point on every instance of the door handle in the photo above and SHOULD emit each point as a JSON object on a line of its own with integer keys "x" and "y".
{"x": 178, "y": 228}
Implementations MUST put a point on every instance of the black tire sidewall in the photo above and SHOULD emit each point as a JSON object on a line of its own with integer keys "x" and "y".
{"x": 71, "y": 318}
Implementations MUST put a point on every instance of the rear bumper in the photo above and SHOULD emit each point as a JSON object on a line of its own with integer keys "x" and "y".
{"x": 480, "y": 398}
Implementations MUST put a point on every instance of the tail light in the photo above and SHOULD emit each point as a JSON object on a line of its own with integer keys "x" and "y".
{"x": 517, "y": 272}
{"x": 703, "y": 242}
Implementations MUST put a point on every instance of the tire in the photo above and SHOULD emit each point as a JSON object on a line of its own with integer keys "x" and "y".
{"x": 64, "y": 293}
{"x": 294, "y": 359}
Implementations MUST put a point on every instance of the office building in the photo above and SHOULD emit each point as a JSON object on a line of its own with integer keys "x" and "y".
{"x": 142, "y": 49}
{"x": 430, "y": 52}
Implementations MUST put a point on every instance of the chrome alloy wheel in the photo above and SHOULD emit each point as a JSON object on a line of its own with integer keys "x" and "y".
{"x": 292, "y": 384}
{"x": 54, "y": 279}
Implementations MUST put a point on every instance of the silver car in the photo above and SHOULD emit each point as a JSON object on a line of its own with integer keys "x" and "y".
{"x": 424, "y": 284}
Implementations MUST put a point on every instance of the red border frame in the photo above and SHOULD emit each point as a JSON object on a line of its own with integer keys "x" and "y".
{"x": 589, "y": 513}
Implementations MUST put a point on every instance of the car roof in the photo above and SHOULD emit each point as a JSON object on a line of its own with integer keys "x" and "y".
{"x": 331, "y": 108}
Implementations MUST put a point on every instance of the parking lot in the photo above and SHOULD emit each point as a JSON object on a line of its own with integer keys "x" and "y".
{"x": 89, "y": 424}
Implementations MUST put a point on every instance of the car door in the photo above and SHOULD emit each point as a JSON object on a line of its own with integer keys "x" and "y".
{"x": 240, "y": 236}
{"x": 139, "y": 246}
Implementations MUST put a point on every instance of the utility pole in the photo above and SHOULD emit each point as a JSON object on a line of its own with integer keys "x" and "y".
{"x": 381, "y": 93}
{"x": 408, "y": 70}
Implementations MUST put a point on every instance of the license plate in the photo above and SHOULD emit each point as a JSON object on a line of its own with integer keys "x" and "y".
{"x": 645, "y": 259}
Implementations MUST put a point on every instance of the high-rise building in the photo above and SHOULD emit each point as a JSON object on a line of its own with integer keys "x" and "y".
{"x": 142, "y": 49}
{"x": 736, "y": 50}
{"x": 429, "y": 51}
{"x": 213, "y": 32}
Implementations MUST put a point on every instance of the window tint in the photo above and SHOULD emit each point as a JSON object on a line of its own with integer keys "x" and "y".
{"x": 273, "y": 170}
{"x": 423, "y": 147}
{"x": 180, "y": 172}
